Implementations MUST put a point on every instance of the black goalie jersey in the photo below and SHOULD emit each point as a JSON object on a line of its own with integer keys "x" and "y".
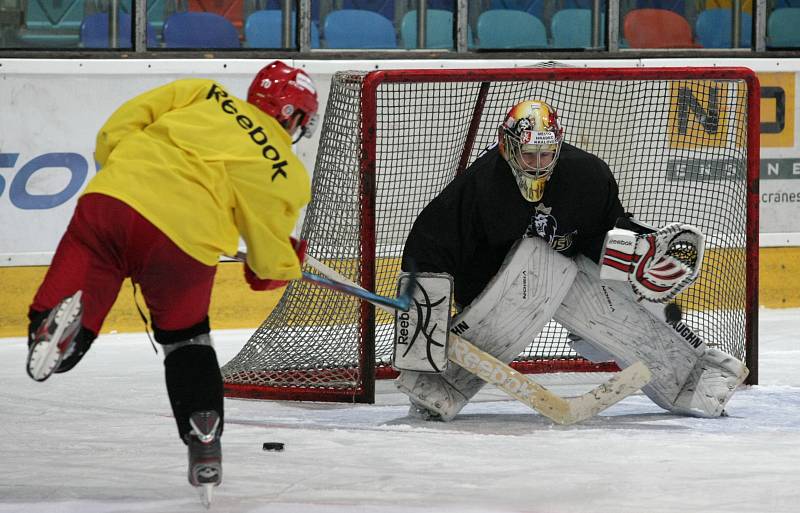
{"x": 467, "y": 230}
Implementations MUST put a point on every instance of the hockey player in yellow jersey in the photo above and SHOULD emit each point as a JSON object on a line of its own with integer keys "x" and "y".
{"x": 186, "y": 170}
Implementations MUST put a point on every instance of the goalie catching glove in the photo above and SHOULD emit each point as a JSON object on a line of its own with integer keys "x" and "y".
{"x": 659, "y": 264}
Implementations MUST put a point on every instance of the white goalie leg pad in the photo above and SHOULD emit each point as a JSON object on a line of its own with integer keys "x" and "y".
{"x": 711, "y": 384}
{"x": 506, "y": 317}
{"x": 607, "y": 316}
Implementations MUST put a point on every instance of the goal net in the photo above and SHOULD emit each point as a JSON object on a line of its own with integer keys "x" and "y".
{"x": 682, "y": 143}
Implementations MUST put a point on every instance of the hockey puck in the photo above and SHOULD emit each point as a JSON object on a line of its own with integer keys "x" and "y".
{"x": 272, "y": 446}
{"x": 673, "y": 312}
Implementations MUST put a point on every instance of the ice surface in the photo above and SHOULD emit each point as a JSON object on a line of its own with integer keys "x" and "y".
{"x": 101, "y": 439}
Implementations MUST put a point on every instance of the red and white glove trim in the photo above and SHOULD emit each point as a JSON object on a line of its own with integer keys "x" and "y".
{"x": 658, "y": 265}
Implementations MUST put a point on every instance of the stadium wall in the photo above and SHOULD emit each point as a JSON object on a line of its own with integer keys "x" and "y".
{"x": 58, "y": 105}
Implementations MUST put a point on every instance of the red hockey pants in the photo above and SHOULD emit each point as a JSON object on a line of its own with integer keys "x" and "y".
{"x": 107, "y": 241}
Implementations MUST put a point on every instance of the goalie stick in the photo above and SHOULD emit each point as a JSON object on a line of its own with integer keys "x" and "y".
{"x": 561, "y": 410}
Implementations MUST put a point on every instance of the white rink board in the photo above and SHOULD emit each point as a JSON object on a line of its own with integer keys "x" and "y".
{"x": 53, "y": 109}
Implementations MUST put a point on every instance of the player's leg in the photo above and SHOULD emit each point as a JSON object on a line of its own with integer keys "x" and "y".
{"x": 78, "y": 291}
{"x": 688, "y": 378}
{"x": 506, "y": 317}
{"x": 177, "y": 291}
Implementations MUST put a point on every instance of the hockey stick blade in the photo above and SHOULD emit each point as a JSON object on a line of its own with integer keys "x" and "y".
{"x": 524, "y": 389}
{"x": 519, "y": 386}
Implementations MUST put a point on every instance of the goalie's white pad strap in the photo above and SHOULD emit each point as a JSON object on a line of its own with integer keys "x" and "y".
{"x": 658, "y": 265}
{"x": 607, "y": 316}
{"x": 420, "y": 341}
{"x": 506, "y": 317}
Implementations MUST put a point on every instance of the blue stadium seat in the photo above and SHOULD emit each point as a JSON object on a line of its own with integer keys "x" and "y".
{"x": 535, "y": 7}
{"x": 356, "y": 28}
{"x": 507, "y": 29}
{"x": 572, "y": 28}
{"x": 94, "y": 32}
{"x": 383, "y": 7}
{"x": 714, "y": 29}
{"x": 438, "y": 30}
{"x": 55, "y": 23}
{"x": 539, "y": 7}
{"x": 200, "y": 30}
{"x": 782, "y": 28}
{"x": 263, "y": 29}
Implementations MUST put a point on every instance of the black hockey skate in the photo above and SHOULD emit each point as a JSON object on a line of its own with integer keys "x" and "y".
{"x": 54, "y": 340}
{"x": 205, "y": 453}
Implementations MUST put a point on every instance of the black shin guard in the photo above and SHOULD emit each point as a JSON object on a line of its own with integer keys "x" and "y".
{"x": 194, "y": 383}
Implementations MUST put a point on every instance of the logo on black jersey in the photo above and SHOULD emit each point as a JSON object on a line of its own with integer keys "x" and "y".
{"x": 544, "y": 225}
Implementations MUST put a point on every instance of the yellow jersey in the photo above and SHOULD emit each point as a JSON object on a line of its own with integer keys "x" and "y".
{"x": 206, "y": 167}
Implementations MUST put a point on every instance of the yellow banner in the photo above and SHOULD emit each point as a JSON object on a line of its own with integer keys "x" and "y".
{"x": 777, "y": 110}
{"x": 707, "y": 113}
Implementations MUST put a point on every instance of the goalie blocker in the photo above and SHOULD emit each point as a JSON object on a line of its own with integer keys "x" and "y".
{"x": 421, "y": 334}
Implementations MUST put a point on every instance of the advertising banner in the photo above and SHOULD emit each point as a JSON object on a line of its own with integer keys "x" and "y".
{"x": 52, "y": 110}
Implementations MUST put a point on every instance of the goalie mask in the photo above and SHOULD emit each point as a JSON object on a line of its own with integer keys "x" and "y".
{"x": 530, "y": 140}
{"x": 288, "y": 95}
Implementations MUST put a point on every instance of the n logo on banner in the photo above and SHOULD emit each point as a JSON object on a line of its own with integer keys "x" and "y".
{"x": 707, "y": 113}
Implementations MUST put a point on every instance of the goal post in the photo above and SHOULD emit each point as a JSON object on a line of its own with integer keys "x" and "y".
{"x": 683, "y": 144}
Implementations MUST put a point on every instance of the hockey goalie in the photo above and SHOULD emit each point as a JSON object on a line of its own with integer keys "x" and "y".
{"x": 534, "y": 230}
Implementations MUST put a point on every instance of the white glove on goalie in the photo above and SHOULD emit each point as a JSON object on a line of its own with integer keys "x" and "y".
{"x": 658, "y": 265}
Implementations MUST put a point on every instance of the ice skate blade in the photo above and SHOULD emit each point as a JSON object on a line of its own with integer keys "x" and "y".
{"x": 45, "y": 356}
{"x": 206, "y": 494}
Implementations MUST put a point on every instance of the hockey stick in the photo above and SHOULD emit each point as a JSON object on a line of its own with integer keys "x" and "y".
{"x": 561, "y": 410}
{"x": 335, "y": 281}
{"x": 521, "y": 387}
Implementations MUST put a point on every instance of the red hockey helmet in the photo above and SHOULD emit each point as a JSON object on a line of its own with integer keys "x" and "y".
{"x": 287, "y": 94}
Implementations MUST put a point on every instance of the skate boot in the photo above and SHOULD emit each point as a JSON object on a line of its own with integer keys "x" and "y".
{"x": 54, "y": 339}
{"x": 205, "y": 453}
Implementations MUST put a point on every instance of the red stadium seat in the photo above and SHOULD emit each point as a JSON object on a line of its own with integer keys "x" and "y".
{"x": 657, "y": 28}
{"x": 233, "y": 10}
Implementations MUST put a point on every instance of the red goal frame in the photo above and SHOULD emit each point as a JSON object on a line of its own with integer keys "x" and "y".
{"x": 365, "y": 391}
